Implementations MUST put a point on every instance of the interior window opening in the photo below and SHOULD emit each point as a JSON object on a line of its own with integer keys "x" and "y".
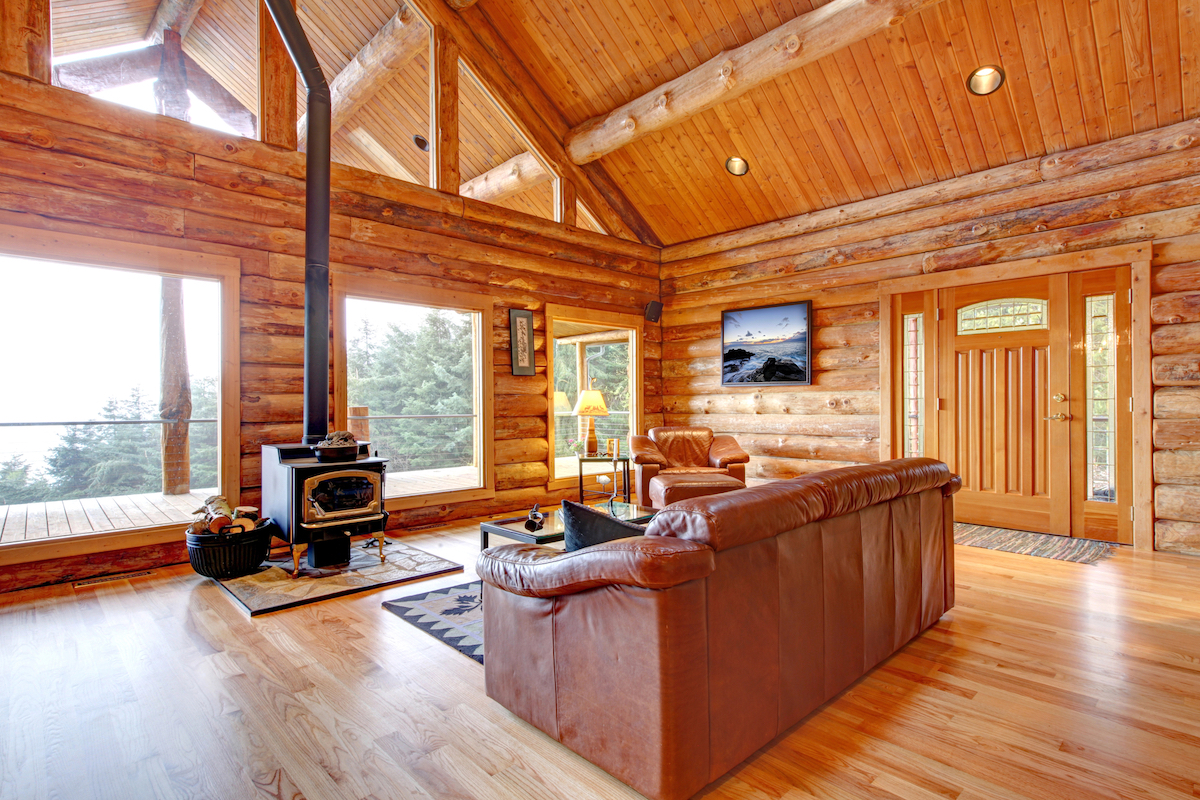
{"x": 118, "y": 425}
{"x": 413, "y": 389}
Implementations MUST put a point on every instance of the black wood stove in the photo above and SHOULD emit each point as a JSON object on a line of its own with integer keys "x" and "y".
{"x": 322, "y": 504}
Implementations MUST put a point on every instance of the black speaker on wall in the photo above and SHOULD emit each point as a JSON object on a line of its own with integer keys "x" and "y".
{"x": 653, "y": 311}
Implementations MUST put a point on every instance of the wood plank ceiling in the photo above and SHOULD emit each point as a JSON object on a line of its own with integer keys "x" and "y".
{"x": 886, "y": 114}
{"x": 883, "y": 115}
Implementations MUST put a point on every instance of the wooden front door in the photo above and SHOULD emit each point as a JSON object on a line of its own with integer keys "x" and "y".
{"x": 1034, "y": 382}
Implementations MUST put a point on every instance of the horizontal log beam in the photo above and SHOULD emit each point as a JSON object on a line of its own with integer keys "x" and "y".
{"x": 1172, "y": 501}
{"x": 729, "y": 75}
{"x": 521, "y": 172}
{"x": 380, "y": 59}
{"x": 1176, "y": 536}
{"x": 1177, "y": 403}
{"x": 1177, "y": 466}
{"x": 992, "y": 182}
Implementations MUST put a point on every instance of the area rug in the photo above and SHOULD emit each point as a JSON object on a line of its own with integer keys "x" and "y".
{"x": 454, "y": 615}
{"x": 274, "y": 589}
{"x": 1027, "y": 543}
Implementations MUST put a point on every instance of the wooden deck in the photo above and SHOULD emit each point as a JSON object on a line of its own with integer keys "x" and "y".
{"x": 428, "y": 481}
{"x": 54, "y": 520}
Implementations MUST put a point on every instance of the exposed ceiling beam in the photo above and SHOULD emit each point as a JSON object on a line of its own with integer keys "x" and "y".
{"x": 380, "y": 60}
{"x": 535, "y": 116}
{"x": 379, "y": 157}
{"x": 731, "y": 74}
{"x": 514, "y": 176}
{"x": 178, "y": 15}
{"x": 459, "y": 5}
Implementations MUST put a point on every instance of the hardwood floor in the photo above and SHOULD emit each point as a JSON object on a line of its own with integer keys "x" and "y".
{"x": 1048, "y": 680}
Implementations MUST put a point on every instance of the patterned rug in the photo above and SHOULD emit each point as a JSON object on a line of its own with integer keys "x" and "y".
{"x": 1027, "y": 543}
{"x": 274, "y": 589}
{"x": 454, "y": 615}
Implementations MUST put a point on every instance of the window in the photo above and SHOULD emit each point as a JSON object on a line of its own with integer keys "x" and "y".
{"x": 913, "y": 369}
{"x": 1100, "y": 350}
{"x": 592, "y": 350}
{"x": 413, "y": 377}
{"x": 1009, "y": 314}
{"x": 122, "y": 418}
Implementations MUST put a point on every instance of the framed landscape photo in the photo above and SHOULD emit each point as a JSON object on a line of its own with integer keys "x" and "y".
{"x": 520, "y": 328}
{"x": 769, "y": 344}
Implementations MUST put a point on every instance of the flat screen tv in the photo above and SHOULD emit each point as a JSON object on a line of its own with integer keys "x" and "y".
{"x": 770, "y": 344}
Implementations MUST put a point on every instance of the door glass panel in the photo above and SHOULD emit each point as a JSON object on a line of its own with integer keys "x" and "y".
{"x": 1005, "y": 314}
{"x": 914, "y": 383}
{"x": 1100, "y": 347}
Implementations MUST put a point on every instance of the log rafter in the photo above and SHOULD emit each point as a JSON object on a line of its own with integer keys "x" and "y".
{"x": 381, "y": 59}
{"x": 731, "y": 74}
{"x": 521, "y": 172}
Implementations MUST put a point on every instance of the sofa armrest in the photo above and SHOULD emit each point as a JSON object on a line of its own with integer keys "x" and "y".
{"x": 648, "y": 562}
{"x": 645, "y": 451}
{"x": 725, "y": 451}
{"x": 952, "y": 486}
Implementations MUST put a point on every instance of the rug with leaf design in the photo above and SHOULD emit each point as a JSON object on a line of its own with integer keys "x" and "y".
{"x": 454, "y": 615}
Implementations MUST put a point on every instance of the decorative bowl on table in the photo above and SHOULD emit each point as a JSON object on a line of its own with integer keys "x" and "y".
{"x": 343, "y": 452}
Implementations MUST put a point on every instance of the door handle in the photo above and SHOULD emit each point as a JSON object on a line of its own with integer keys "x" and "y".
{"x": 1057, "y": 418}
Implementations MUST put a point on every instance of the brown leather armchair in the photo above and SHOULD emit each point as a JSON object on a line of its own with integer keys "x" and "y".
{"x": 702, "y": 463}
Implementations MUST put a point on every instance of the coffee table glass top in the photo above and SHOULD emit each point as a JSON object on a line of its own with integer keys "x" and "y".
{"x": 552, "y": 526}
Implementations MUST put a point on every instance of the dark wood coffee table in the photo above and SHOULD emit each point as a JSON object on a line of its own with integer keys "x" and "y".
{"x": 552, "y": 527}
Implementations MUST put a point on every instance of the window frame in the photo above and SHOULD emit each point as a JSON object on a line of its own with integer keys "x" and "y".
{"x": 96, "y": 251}
{"x": 348, "y": 284}
{"x": 635, "y": 324}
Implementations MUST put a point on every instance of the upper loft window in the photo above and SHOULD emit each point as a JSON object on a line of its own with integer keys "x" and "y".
{"x": 204, "y": 71}
{"x": 1008, "y": 314}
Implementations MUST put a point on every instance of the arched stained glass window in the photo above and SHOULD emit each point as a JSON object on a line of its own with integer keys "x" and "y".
{"x": 1006, "y": 314}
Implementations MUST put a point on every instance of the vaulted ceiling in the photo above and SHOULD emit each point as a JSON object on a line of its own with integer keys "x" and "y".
{"x": 887, "y": 113}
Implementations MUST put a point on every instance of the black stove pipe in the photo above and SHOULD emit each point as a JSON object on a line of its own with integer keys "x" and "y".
{"x": 316, "y": 223}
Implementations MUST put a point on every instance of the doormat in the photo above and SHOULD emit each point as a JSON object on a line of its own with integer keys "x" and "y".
{"x": 454, "y": 615}
{"x": 1027, "y": 543}
{"x": 274, "y": 588}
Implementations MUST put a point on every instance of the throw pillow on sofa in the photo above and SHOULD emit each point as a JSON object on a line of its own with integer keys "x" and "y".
{"x": 584, "y": 526}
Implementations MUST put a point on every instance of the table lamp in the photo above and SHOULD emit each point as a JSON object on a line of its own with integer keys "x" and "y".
{"x": 591, "y": 404}
{"x": 561, "y": 404}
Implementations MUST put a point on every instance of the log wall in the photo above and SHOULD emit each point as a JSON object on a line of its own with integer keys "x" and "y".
{"x": 1175, "y": 344}
{"x": 1138, "y": 189}
{"x": 73, "y": 164}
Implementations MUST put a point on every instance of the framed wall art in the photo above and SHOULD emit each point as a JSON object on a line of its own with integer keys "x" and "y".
{"x": 520, "y": 328}
{"x": 770, "y": 344}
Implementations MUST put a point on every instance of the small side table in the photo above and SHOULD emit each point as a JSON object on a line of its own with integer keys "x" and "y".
{"x": 623, "y": 461}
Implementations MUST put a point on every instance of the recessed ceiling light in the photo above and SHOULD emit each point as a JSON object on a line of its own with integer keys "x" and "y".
{"x": 737, "y": 165}
{"x": 985, "y": 80}
{"x": 421, "y": 142}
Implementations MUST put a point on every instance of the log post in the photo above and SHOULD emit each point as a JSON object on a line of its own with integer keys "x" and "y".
{"x": 25, "y": 38}
{"x": 176, "y": 15}
{"x": 443, "y": 165}
{"x": 276, "y": 85}
{"x": 361, "y": 428}
{"x": 171, "y": 88}
{"x": 176, "y": 390}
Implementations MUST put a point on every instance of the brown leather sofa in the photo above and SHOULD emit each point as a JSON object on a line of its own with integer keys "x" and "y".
{"x": 669, "y": 658}
{"x": 674, "y": 463}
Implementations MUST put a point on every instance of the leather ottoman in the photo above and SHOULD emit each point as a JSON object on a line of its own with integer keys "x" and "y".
{"x": 672, "y": 487}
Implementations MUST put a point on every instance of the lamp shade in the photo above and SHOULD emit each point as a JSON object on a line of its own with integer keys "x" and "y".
{"x": 561, "y": 403}
{"x": 591, "y": 404}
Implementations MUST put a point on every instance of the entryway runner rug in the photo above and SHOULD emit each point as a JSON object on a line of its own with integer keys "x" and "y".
{"x": 1043, "y": 545}
{"x": 454, "y": 615}
{"x": 274, "y": 589}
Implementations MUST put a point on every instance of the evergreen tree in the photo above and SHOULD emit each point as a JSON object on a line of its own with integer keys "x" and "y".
{"x": 18, "y": 485}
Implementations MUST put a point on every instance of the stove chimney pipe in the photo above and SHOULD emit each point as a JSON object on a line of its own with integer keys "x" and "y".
{"x": 316, "y": 227}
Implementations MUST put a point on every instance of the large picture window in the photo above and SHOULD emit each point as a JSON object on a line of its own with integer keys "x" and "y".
{"x": 414, "y": 379}
{"x": 117, "y": 418}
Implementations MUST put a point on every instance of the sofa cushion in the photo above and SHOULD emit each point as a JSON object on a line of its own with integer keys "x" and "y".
{"x": 584, "y": 526}
{"x": 725, "y": 521}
